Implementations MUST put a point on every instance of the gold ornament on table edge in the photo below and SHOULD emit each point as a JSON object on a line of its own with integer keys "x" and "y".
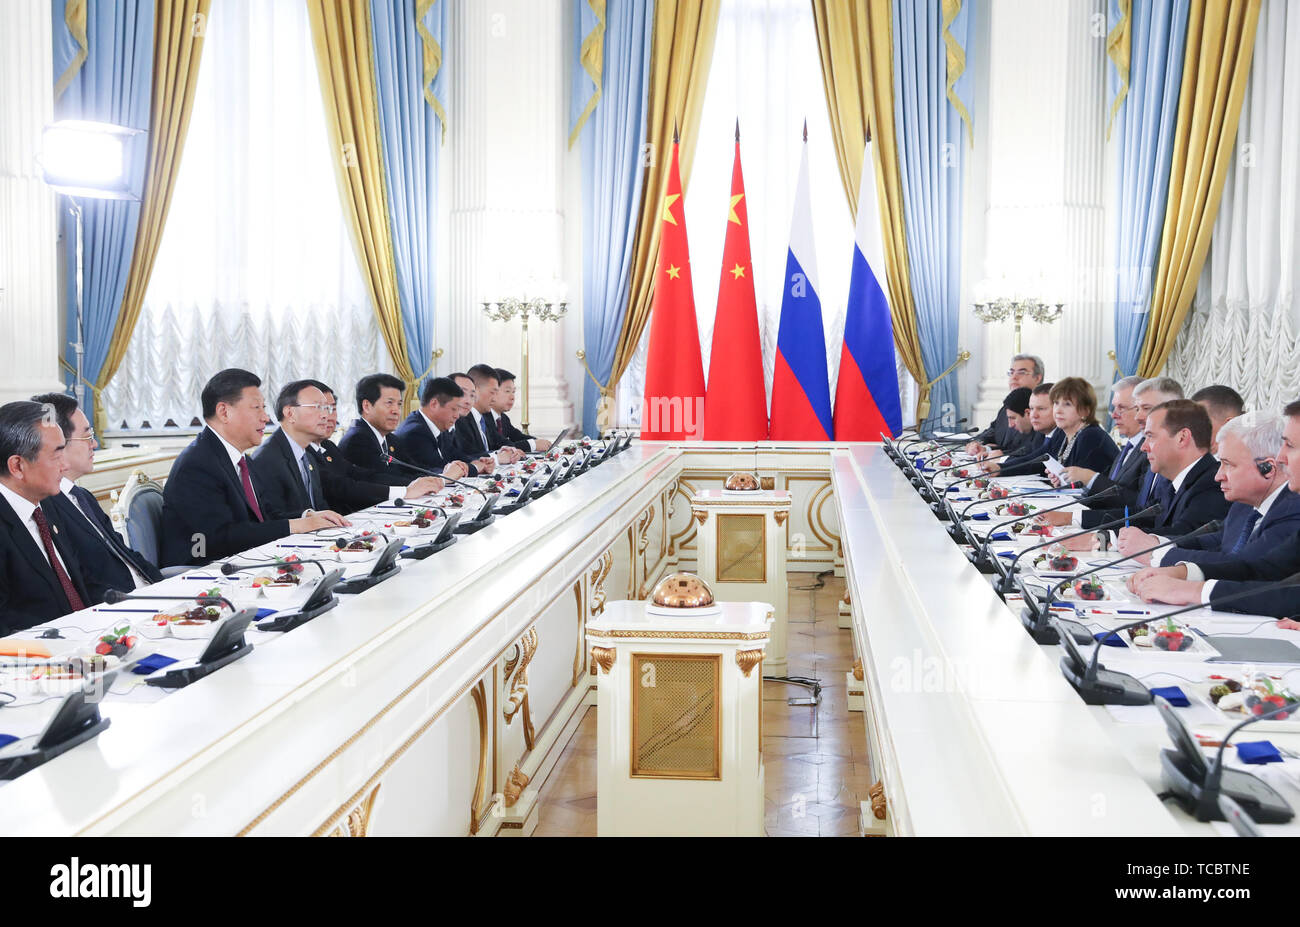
{"x": 604, "y": 658}
{"x": 516, "y": 782}
{"x": 747, "y": 660}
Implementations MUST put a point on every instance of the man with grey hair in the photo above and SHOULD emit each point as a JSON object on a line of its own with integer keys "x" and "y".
{"x": 1214, "y": 583}
{"x": 1264, "y": 510}
{"x": 40, "y": 576}
{"x": 1026, "y": 371}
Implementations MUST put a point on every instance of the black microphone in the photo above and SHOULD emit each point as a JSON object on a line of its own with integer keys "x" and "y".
{"x": 446, "y": 479}
{"x": 1109, "y": 490}
{"x": 229, "y": 569}
{"x": 916, "y": 429}
{"x": 1099, "y": 686}
{"x": 1059, "y": 587}
{"x": 958, "y": 439}
{"x": 959, "y": 518}
{"x": 940, "y": 498}
{"x": 1206, "y": 804}
{"x": 114, "y": 596}
{"x": 1002, "y": 586}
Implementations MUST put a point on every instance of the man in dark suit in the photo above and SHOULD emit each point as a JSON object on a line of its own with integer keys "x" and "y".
{"x": 348, "y": 488}
{"x": 469, "y": 444}
{"x": 40, "y": 576}
{"x": 477, "y": 429}
{"x": 1224, "y": 404}
{"x": 1188, "y": 583}
{"x": 367, "y": 443}
{"x": 1045, "y": 438}
{"x": 1026, "y": 370}
{"x": 1138, "y": 485}
{"x": 106, "y": 561}
{"x": 293, "y": 480}
{"x": 1264, "y": 511}
{"x": 1178, "y": 448}
{"x": 502, "y": 403}
{"x": 427, "y": 435}
{"x": 212, "y": 506}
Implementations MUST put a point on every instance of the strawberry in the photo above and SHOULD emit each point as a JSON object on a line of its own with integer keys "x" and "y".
{"x": 104, "y": 647}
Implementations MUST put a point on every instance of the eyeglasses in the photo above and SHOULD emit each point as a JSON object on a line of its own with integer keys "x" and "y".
{"x": 1020, "y": 372}
{"x": 327, "y": 409}
{"x": 89, "y": 436}
{"x": 1120, "y": 409}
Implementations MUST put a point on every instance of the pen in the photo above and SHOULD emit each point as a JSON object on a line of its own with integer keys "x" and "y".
{"x": 1117, "y": 611}
{"x": 132, "y": 611}
{"x": 208, "y": 578}
{"x": 1126, "y": 516}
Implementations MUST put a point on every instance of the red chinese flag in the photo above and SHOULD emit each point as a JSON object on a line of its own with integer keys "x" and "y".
{"x": 735, "y": 408}
{"x": 674, "y": 371}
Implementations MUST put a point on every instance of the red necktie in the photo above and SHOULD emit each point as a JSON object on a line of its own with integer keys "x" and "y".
{"x": 47, "y": 541}
{"x": 246, "y": 478}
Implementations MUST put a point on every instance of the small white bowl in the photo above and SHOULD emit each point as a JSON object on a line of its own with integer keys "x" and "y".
{"x": 355, "y": 556}
{"x": 280, "y": 590}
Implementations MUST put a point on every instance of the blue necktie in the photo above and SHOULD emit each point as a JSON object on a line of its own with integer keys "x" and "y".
{"x": 482, "y": 426}
{"x": 306, "y": 478}
{"x": 1162, "y": 491}
{"x": 1119, "y": 462}
{"x": 1246, "y": 532}
{"x": 1145, "y": 494}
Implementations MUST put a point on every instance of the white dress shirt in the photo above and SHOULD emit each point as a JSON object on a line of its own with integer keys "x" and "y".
{"x": 66, "y": 485}
{"x": 496, "y": 418}
{"x": 235, "y": 456}
{"x": 478, "y": 424}
{"x": 24, "y": 510}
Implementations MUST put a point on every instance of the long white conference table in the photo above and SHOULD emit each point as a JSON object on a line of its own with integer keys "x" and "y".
{"x": 437, "y": 702}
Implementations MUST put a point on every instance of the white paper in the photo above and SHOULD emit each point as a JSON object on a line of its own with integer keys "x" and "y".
{"x": 1053, "y": 466}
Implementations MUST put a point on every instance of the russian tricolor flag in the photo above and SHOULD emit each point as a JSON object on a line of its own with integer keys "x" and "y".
{"x": 801, "y": 392}
{"x": 867, "y": 406}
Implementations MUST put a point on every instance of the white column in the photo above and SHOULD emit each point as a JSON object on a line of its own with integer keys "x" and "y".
{"x": 507, "y": 135}
{"x": 29, "y": 312}
{"x": 1045, "y": 209}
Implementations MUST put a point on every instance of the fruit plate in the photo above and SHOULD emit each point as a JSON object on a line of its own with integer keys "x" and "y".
{"x": 1204, "y": 692}
{"x": 1197, "y": 651}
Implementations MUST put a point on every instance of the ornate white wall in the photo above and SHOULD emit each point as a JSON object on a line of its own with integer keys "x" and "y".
{"x": 1036, "y": 188}
{"x": 506, "y": 148}
{"x": 29, "y": 315}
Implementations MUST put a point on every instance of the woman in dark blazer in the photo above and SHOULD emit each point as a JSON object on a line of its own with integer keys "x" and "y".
{"x": 1086, "y": 444}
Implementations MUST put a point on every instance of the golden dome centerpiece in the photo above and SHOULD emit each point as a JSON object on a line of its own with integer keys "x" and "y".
{"x": 682, "y": 595}
{"x": 742, "y": 481}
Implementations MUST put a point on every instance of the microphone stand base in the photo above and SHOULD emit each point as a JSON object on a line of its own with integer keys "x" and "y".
{"x": 427, "y": 550}
{"x": 289, "y": 622}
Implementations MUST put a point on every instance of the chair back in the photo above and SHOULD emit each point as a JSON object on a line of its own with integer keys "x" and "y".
{"x": 137, "y": 516}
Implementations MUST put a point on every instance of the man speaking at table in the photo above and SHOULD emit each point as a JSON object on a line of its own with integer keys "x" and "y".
{"x": 294, "y": 480}
{"x": 426, "y": 436}
{"x": 211, "y": 506}
{"x": 40, "y": 577}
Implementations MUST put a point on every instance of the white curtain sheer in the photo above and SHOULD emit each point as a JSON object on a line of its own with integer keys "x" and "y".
{"x": 765, "y": 72}
{"x": 1242, "y": 330}
{"x": 255, "y": 268}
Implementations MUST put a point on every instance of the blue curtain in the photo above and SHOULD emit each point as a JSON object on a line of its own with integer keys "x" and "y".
{"x": 932, "y": 140}
{"x": 612, "y": 175}
{"x": 114, "y": 85}
{"x": 1144, "y": 133}
{"x": 412, "y": 137}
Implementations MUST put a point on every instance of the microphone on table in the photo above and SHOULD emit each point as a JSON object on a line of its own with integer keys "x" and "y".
{"x": 1204, "y": 791}
{"x": 958, "y": 526}
{"x": 1044, "y": 608}
{"x": 916, "y": 429}
{"x": 958, "y": 439}
{"x": 114, "y": 596}
{"x": 1100, "y": 686}
{"x": 230, "y": 569}
{"x": 1004, "y": 585}
{"x": 937, "y": 505}
{"x": 984, "y": 548}
{"x": 427, "y": 472}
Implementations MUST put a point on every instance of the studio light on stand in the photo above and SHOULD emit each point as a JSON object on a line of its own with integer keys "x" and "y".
{"x": 88, "y": 160}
